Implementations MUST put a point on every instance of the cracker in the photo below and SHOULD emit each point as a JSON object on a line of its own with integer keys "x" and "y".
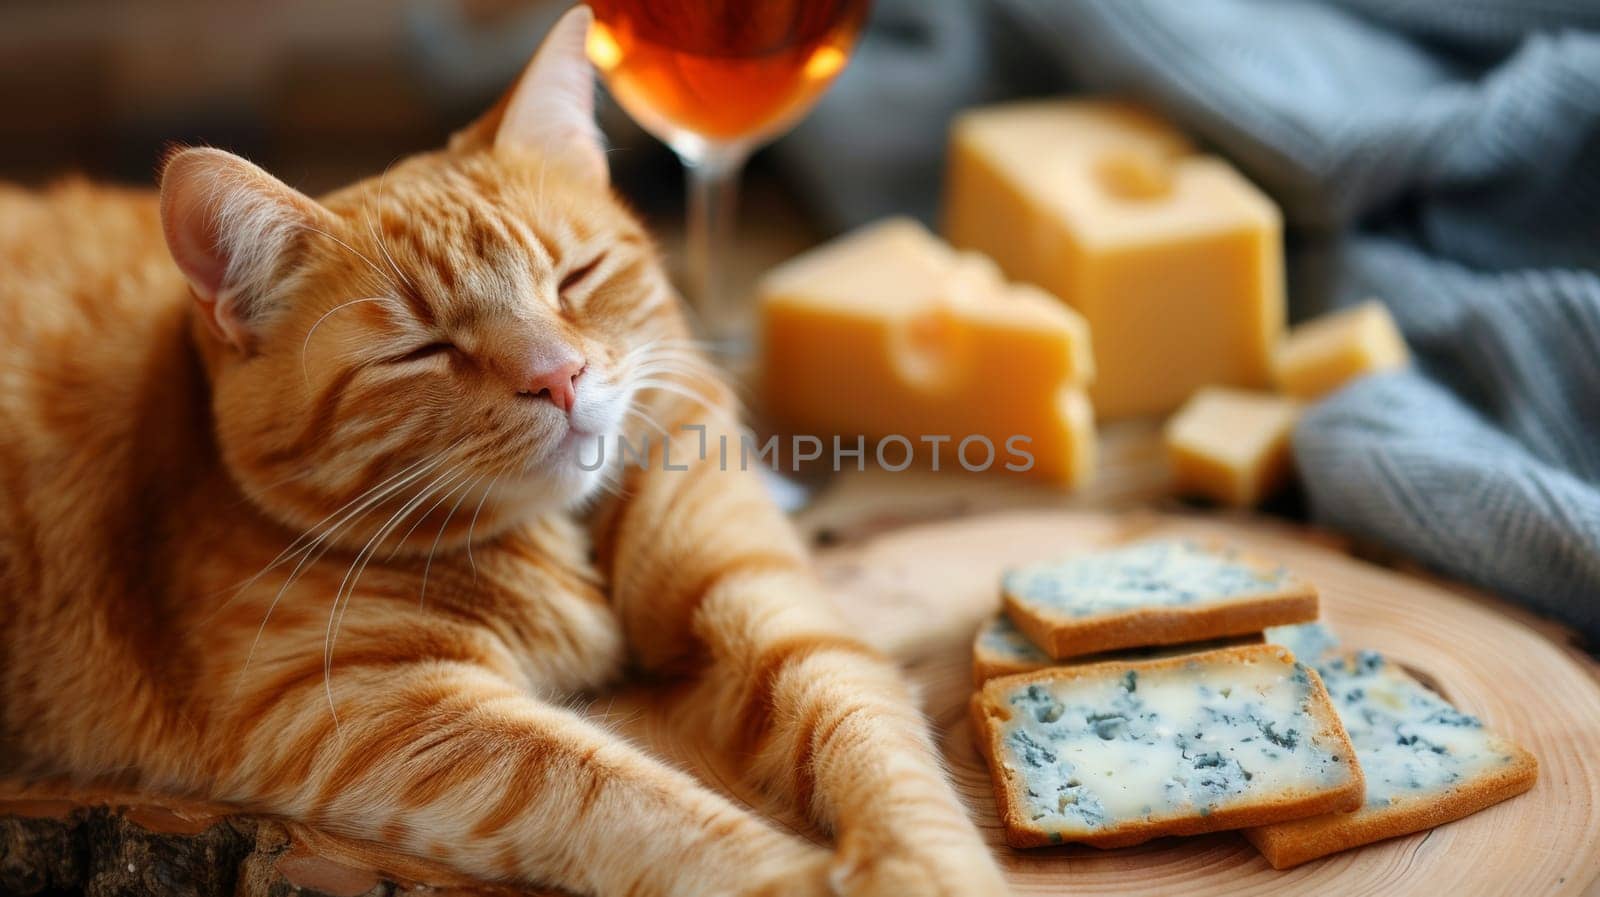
{"x": 1151, "y": 593}
{"x": 1117, "y": 753}
{"x": 1000, "y": 649}
{"x": 1425, "y": 762}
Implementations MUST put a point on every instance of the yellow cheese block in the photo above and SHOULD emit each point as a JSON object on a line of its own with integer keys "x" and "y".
{"x": 1324, "y": 354}
{"x": 888, "y": 333}
{"x": 1174, "y": 259}
{"x": 1230, "y": 445}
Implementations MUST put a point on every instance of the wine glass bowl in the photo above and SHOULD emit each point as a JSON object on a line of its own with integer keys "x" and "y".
{"x": 714, "y": 79}
{"x": 721, "y": 71}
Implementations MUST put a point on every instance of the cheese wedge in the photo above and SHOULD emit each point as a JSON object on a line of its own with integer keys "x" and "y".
{"x": 1231, "y": 446}
{"x": 1324, "y": 354}
{"x": 888, "y": 334}
{"x": 1174, "y": 258}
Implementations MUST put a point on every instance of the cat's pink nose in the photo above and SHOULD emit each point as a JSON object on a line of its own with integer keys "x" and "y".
{"x": 557, "y": 381}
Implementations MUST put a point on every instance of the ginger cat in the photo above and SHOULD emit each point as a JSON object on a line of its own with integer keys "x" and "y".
{"x": 301, "y": 523}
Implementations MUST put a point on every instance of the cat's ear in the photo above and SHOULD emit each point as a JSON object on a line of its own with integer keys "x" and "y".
{"x": 551, "y": 107}
{"x": 228, "y": 224}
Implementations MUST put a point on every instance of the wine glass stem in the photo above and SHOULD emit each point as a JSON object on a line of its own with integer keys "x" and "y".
{"x": 713, "y": 176}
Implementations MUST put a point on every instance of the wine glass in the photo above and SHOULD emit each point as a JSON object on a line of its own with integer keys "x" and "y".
{"x": 714, "y": 79}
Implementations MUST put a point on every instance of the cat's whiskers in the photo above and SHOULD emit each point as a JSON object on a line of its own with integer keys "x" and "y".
{"x": 658, "y": 368}
{"x": 682, "y": 362}
{"x": 300, "y": 544}
{"x": 305, "y": 345}
{"x": 352, "y": 577}
{"x": 653, "y": 359}
{"x": 315, "y": 549}
{"x": 678, "y": 389}
{"x": 684, "y": 358}
{"x": 634, "y": 411}
{"x": 650, "y": 365}
{"x": 370, "y": 549}
{"x": 471, "y": 527}
{"x": 427, "y": 567}
{"x": 457, "y": 476}
{"x": 354, "y": 251}
{"x": 662, "y": 357}
{"x": 685, "y": 348}
{"x": 610, "y": 481}
{"x": 666, "y": 360}
{"x": 377, "y": 237}
{"x": 284, "y": 481}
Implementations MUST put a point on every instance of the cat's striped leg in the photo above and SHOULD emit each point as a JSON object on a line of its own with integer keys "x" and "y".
{"x": 448, "y": 760}
{"x": 708, "y": 577}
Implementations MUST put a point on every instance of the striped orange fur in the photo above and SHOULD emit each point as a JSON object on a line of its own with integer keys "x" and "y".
{"x": 284, "y": 524}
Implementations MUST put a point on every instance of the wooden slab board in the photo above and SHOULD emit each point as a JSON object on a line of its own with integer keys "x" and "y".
{"x": 922, "y": 591}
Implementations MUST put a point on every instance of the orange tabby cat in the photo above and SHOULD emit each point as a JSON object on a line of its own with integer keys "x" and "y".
{"x": 301, "y": 522}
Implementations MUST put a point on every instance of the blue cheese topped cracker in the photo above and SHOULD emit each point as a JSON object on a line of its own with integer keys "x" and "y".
{"x": 1425, "y": 761}
{"x": 1002, "y": 637}
{"x": 1407, "y": 738}
{"x": 1149, "y": 574}
{"x": 1151, "y": 593}
{"x": 1115, "y": 754}
{"x": 1001, "y": 649}
{"x": 1311, "y": 642}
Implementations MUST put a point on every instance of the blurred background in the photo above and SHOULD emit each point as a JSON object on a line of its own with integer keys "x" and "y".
{"x": 318, "y": 93}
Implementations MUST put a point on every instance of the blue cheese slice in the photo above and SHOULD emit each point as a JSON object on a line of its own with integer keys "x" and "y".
{"x": 1151, "y": 593}
{"x": 1001, "y": 649}
{"x": 1117, "y": 753}
{"x": 1426, "y": 763}
{"x": 1312, "y": 643}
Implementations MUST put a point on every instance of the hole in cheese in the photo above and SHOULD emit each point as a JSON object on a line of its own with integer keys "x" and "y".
{"x": 928, "y": 349}
{"x": 1134, "y": 174}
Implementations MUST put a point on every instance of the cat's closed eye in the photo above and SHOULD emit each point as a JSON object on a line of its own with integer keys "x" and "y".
{"x": 423, "y": 352}
{"x": 575, "y": 277}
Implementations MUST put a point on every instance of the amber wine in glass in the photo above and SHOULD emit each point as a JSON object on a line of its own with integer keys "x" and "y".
{"x": 714, "y": 79}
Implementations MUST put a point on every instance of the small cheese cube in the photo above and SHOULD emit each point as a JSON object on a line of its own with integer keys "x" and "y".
{"x": 1324, "y": 354}
{"x": 1175, "y": 259}
{"x": 1231, "y": 446}
{"x": 888, "y": 333}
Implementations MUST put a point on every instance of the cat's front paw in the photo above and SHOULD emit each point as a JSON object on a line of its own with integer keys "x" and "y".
{"x": 930, "y": 870}
{"x": 805, "y": 876}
